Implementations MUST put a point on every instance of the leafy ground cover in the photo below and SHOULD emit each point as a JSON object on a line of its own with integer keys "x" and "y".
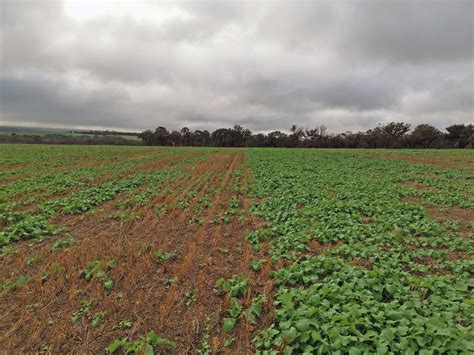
{"x": 363, "y": 268}
{"x": 176, "y": 250}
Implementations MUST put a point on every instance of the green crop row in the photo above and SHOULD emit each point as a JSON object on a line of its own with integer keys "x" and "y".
{"x": 34, "y": 223}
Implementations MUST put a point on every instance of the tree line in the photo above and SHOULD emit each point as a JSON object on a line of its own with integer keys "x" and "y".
{"x": 94, "y": 132}
{"x": 389, "y": 135}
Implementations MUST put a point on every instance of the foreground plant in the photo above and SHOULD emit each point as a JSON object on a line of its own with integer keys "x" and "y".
{"x": 95, "y": 269}
{"x": 163, "y": 256}
{"x": 143, "y": 345}
{"x": 235, "y": 286}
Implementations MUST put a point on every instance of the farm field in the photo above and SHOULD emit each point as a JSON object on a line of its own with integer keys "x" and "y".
{"x": 205, "y": 250}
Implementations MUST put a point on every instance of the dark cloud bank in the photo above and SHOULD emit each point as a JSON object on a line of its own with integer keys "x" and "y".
{"x": 266, "y": 65}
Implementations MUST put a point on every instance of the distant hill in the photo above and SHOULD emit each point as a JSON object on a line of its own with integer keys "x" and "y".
{"x": 40, "y": 135}
{"x": 41, "y": 131}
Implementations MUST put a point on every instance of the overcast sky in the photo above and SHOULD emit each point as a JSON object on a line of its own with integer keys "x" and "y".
{"x": 264, "y": 65}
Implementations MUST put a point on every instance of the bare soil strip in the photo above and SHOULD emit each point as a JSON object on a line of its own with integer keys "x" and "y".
{"x": 152, "y": 294}
{"x": 95, "y": 241}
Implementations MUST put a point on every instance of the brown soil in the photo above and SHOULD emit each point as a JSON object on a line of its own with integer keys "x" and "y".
{"x": 318, "y": 248}
{"x": 418, "y": 186}
{"x": 458, "y": 255}
{"x": 441, "y": 161}
{"x": 426, "y": 260}
{"x": 431, "y": 263}
{"x": 362, "y": 263}
{"x": 462, "y": 215}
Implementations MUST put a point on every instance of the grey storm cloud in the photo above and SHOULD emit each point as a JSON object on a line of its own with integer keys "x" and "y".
{"x": 266, "y": 65}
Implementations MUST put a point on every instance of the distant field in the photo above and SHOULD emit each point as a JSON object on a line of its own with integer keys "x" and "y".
{"x": 236, "y": 250}
{"x": 33, "y": 132}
